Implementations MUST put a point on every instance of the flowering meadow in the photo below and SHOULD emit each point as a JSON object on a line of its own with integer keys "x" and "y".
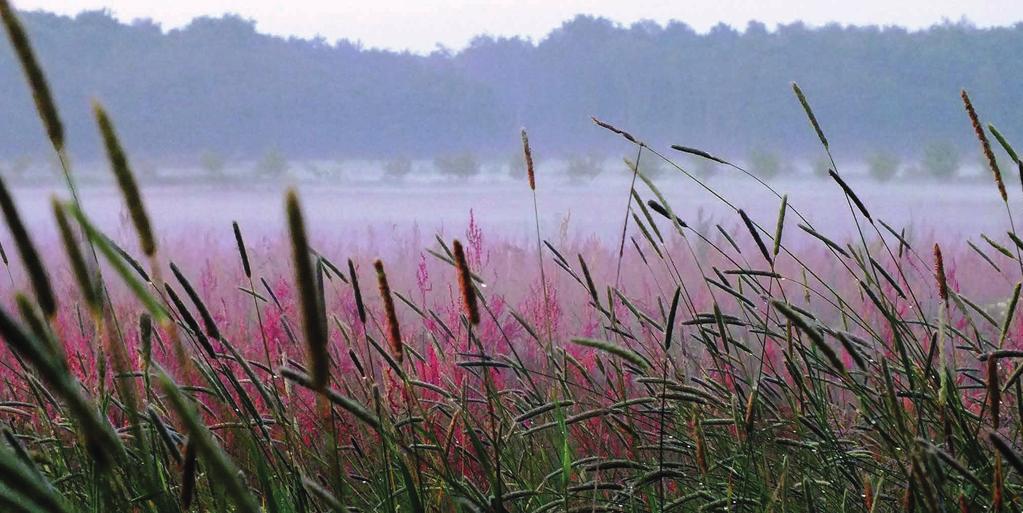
{"x": 747, "y": 364}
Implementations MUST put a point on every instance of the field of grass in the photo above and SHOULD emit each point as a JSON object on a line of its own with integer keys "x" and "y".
{"x": 680, "y": 368}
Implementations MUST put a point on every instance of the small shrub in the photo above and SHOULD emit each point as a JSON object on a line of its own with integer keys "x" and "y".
{"x": 583, "y": 168}
{"x": 18, "y": 167}
{"x": 703, "y": 168}
{"x": 273, "y": 164}
{"x": 883, "y": 166}
{"x": 397, "y": 168}
{"x": 147, "y": 169}
{"x": 212, "y": 163}
{"x": 653, "y": 166}
{"x": 765, "y": 164}
{"x": 941, "y": 160}
{"x": 820, "y": 167}
{"x": 462, "y": 165}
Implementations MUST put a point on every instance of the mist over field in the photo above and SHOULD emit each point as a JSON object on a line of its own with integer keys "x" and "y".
{"x": 219, "y": 109}
{"x": 579, "y": 211}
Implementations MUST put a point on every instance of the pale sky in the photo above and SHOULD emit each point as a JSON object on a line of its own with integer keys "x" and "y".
{"x": 419, "y": 25}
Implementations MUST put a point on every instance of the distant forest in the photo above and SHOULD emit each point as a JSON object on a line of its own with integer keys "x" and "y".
{"x": 220, "y": 86}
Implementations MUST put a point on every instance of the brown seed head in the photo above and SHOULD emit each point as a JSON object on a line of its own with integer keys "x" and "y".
{"x": 608, "y": 126}
{"x": 750, "y": 403}
{"x": 985, "y": 145}
{"x": 393, "y": 330}
{"x": 465, "y": 284}
{"x": 701, "y": 449}
{"x": 528, "y": 154}
{"x": 939, "y": 272}
{"x": 868, "y": 493}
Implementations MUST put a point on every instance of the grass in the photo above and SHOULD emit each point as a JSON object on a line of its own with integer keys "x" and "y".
{"x": 683, "y": 368}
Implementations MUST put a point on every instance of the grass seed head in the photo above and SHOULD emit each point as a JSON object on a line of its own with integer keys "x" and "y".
{"x": 809, "y": 114}
{"x": 868, "y": 494}
{"x": 34, "y": 74}
{"x": 126, "y": 181}
{"x": 37, "y": 275}
{"x": 850, "y": 194}
{"x": 241, "y": 249}
{"x": 353, "y": 278}
{"x": 527, "y": 153}
{"x": 994, "y": 391}
{"x": 89, "y": 290}
{"x": 985, "y": 145}
{"x": 305, "y": 278}
{"x": 756, "y": 237}
{"x": 939, "y": 273}
{"x": 393, "y": 329}
{"x": 465, "y": 284}
{"x": 608, "y": 126}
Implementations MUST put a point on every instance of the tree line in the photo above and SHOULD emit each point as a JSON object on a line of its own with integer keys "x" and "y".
{"x": 219, "y": 85}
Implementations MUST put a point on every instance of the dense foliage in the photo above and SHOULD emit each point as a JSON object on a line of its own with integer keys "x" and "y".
{"x": 219, "y": 85}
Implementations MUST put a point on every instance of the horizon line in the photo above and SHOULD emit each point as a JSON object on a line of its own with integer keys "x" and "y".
{"x": 165, "y": 28}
